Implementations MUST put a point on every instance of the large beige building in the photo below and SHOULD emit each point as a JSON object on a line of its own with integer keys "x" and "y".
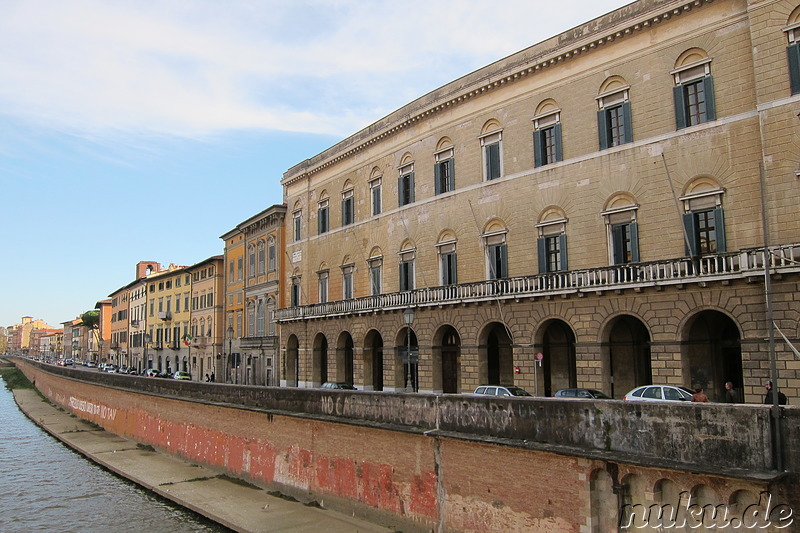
{"x": 206, "y": 329}
{"x": 585, "y": 212}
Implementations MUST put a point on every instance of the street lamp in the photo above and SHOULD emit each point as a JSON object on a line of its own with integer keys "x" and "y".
{"x": 229, "y": 335}
{"x": 408, "y": 318}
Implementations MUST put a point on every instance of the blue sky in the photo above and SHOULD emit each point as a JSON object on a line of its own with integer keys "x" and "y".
{"x": 119, "y": 120}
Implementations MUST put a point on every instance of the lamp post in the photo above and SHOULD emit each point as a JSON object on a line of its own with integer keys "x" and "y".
{"x": 229, "y": 335}
{"x": 408, "y": 318}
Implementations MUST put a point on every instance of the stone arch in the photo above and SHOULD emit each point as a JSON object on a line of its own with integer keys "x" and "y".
{"x": 546, "y": 107}
{"x": 711, "y": 351}
{"x": 407, "y": 159}
{"x": 291, "y": 361}
{"x": 494, "y": 225}
{"x": 446, "y": 356}
{"x": 345, "y": 358}
{"x": 490, "y": 126}
{"x": 324, "y": 195}
{"x": 620, "y": 200}
{"x": 613, "y": 83}
{"x": 495, "y": 355}
{"x": 794, "y": 17}
{"x": 443, "y": 144}
{"x": 603, "y": 502}
{"x": 625, "y": 354}
{"x": 669, "y": 499}
{"x": 375, "y": 173}
{"x": 298, "y": 205}
{"x": 740, "y": 500}
{"x": 633, "y": 506}
{"x": 691, "y": 56}
{"x": 372, "y": 361}
{"x": 406, "y": 360}
{"x": 348, "y": 185}
{"x": 701, "y": 184}
{"x": 319, "y": 360}
{"x": 551, "y": 213}
{"x": 557, "y": 341}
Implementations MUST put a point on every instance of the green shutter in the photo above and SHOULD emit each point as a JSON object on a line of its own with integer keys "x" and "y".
{"x": 690, "y": 227}
{"x": 411, "y": 188}
{"x": 680, "y": 107}
{"x": 708, "y": 90}
{"x": 451, "y": 167}
{"x": 541, "y": 252}
{"x": 719, "y": 228}
{"x": 618, "y": 243}
{"x": 537, "y": 148}
{"x": 492, "y": 161}
{"x": 557, "y": 135}
{"x": 437, "y": 178}
{"x": 793, "y": 52}
{"x": 400, "y": 198}
{"x": 627, "y": 122}
{"x": 454, "y": 269}
{"x": 503, "y": 249}
{"x": 602, "y": 128}
{"x": 562, "y": 244}
{"x": 634, "y": 231}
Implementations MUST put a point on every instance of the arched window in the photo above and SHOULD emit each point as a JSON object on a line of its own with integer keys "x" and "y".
{"x": 260, "y": 318}
{"x": 444, "y": 168}
{"x": 622, "y": 229}
{"x": 704, "y": 219}
{"x": 348, "y": 204}
{"x": 448, "y": 268}
{"x": 405, "y": 183}
{"x": 494, "y": 239}
{"x": 552, "y": 243}
{"x": 251, "y": 255}
{"x": 547, "y": 147}
{"x": 492, "y": 149}
{"x": 694, "y": 89}
{"x": 251, "y": 319}
{"x": 614, "y": 113}
{"x": 792, "y": 31}
{"x": 261, "y": 257}
{"x": 272, "y": 254}
{"x": 408, "y": 254}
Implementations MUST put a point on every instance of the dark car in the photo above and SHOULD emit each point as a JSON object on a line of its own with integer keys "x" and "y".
{"x": 338, "y": 385}
{"x": 590, "y": 394}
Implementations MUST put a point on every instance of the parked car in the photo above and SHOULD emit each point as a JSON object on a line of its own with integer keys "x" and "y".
{"x": 338, "y": 385}
{"x": 151, "y": 373}
{"x": 659, "y": 393}
{"x": 133, "y": 371}
{"x": 501, "y": 390}
{"x": 180, "y": 374}
{"x": 591, "y": 394}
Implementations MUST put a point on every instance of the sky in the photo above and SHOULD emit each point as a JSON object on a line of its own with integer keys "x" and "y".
{"x": 142, "y": 130}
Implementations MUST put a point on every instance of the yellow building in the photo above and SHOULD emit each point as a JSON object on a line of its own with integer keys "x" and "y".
{"x": 234, "y": 304}
{"x": 205, "y": 340}
{"x": 168, "y": 316}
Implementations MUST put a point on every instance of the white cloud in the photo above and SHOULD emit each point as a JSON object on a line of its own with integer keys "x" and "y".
{"x": 194, "y": 68}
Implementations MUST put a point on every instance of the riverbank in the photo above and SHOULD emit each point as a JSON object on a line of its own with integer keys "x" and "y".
{"x": 228, "y": 501}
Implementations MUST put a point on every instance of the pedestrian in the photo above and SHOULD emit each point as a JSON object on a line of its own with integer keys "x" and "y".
{"x": 699, "y": 395}
{"x": 768, "y": 396}
{"x": 731, "y": 394}
{"x": 212, "y": 377}
{"x": 207, "y": 378}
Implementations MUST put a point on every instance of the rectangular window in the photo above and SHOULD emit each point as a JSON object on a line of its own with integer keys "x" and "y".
{"x": 322, "y": 217}
{"x": 407, "y": 275}
{"x": 231, "y": 277}
{"x": 547, "y": 139}
{"x": 706, "y": 231}
{"x": 375, "y": 190}
{"x": 186, "y": 300}
{"x": 296, "y": 225}
{"x": 444, "y": 172}
{"x": 491, "y": 154}
{"x": 405, "y": 187}
{"x": 498, "y": 261}
{"x": 210, "y": 300}
{"x": 347, "y": 208}
{"x": 552, "y": 252}
{"x": 614, "y": 124}
{"x": 239, "y": 267}
{"x": 252, "y": 261}
{"x": 693, "y": 96}
{"x": 272, "y": 256}
{"x": 261, "y": 258}
{"x": 295, "y": 292}
{"x": 625, "y": 246}
{"x": 375, "y": 277}
{"x": 448, "y": 266}
{"x": 793, "y": 54}
{"x": 347, "y": 282}
{"x": 323, "y": 287}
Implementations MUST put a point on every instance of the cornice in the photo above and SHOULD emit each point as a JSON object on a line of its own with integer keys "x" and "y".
{"x": 519, "y": 66}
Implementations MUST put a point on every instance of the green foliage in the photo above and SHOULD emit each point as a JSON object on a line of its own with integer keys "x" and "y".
{"x": 15, "y": 379}
{"x": 91, "y": 319}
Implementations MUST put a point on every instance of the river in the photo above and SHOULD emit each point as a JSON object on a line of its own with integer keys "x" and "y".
{"x": 45, "y": 486}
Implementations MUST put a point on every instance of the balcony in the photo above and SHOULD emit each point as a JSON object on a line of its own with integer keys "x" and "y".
{"x": 269, "y": 342}
{"x": 164, "y": 315}
{"x": 721, "y": 267}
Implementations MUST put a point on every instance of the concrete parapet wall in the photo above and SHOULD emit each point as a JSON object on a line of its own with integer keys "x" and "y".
{"x": 444, "y": 463}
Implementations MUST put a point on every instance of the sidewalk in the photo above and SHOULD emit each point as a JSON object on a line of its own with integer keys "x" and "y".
{"x": 238, "y": 507}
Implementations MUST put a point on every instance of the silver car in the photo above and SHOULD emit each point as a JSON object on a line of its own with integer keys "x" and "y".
{"x": 659, "y": 393}
{"x": 501, "y": 390}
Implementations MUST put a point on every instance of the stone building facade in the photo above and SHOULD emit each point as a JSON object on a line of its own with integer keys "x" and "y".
{"x": 585, "y": 212}
{"x": 205, "y": 337}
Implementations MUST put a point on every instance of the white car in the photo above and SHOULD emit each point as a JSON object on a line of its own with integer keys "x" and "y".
{"x": 501, "y": 390}
{"x": 659, "y": 393}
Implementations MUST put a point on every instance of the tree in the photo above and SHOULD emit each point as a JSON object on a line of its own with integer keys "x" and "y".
{"x": 91, "y": 320}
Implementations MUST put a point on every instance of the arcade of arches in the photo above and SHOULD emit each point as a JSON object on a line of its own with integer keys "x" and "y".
{"x": 453, "y": 351}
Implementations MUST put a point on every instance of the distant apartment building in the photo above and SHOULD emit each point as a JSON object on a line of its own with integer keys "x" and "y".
{"x": 102, "y": 335}
{"x": 20, "y": 334}
{"x": 168, "y": 314}
{"x": 205, "y": 339}
{"x": 120, "y": 308}
{"x": 585, "y": 212}
{"x": 234, "y": 304}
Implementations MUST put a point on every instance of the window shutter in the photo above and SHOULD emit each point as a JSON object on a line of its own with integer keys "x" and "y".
{"x": 492, "y": 161}
{"x": 319, "y": 222}
{"x": 537, "y": 148}
{"x": 453, "y": 269}
{"x": 411, "y": 188}
{"x": 557, "y": 135}
{"x": 602, "y": 128}
{"x": 627, "y": 122}
{"x": 451, "y": 173}
{"x": 541, "y": 252}
{"x": 711, "y": 106}
{"x": 719, "y": 228}
{"x": 344, "y": 212}
{"x": 403, "y": 270}
{"x": 618, "y": 243}
{"x": 503, "y": 261}
{"x": 680, "y": 107}
{"x": 437, "y": 178}
{"x": 400, "y": 198}
{"x": 793, "y": 53}
{"x": 690, "y": 227}
{"x": 562, "y": 243}
{"x": 634, "y": 229}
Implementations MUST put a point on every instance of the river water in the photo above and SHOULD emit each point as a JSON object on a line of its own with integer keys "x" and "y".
{"x": 45, "y": 486}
